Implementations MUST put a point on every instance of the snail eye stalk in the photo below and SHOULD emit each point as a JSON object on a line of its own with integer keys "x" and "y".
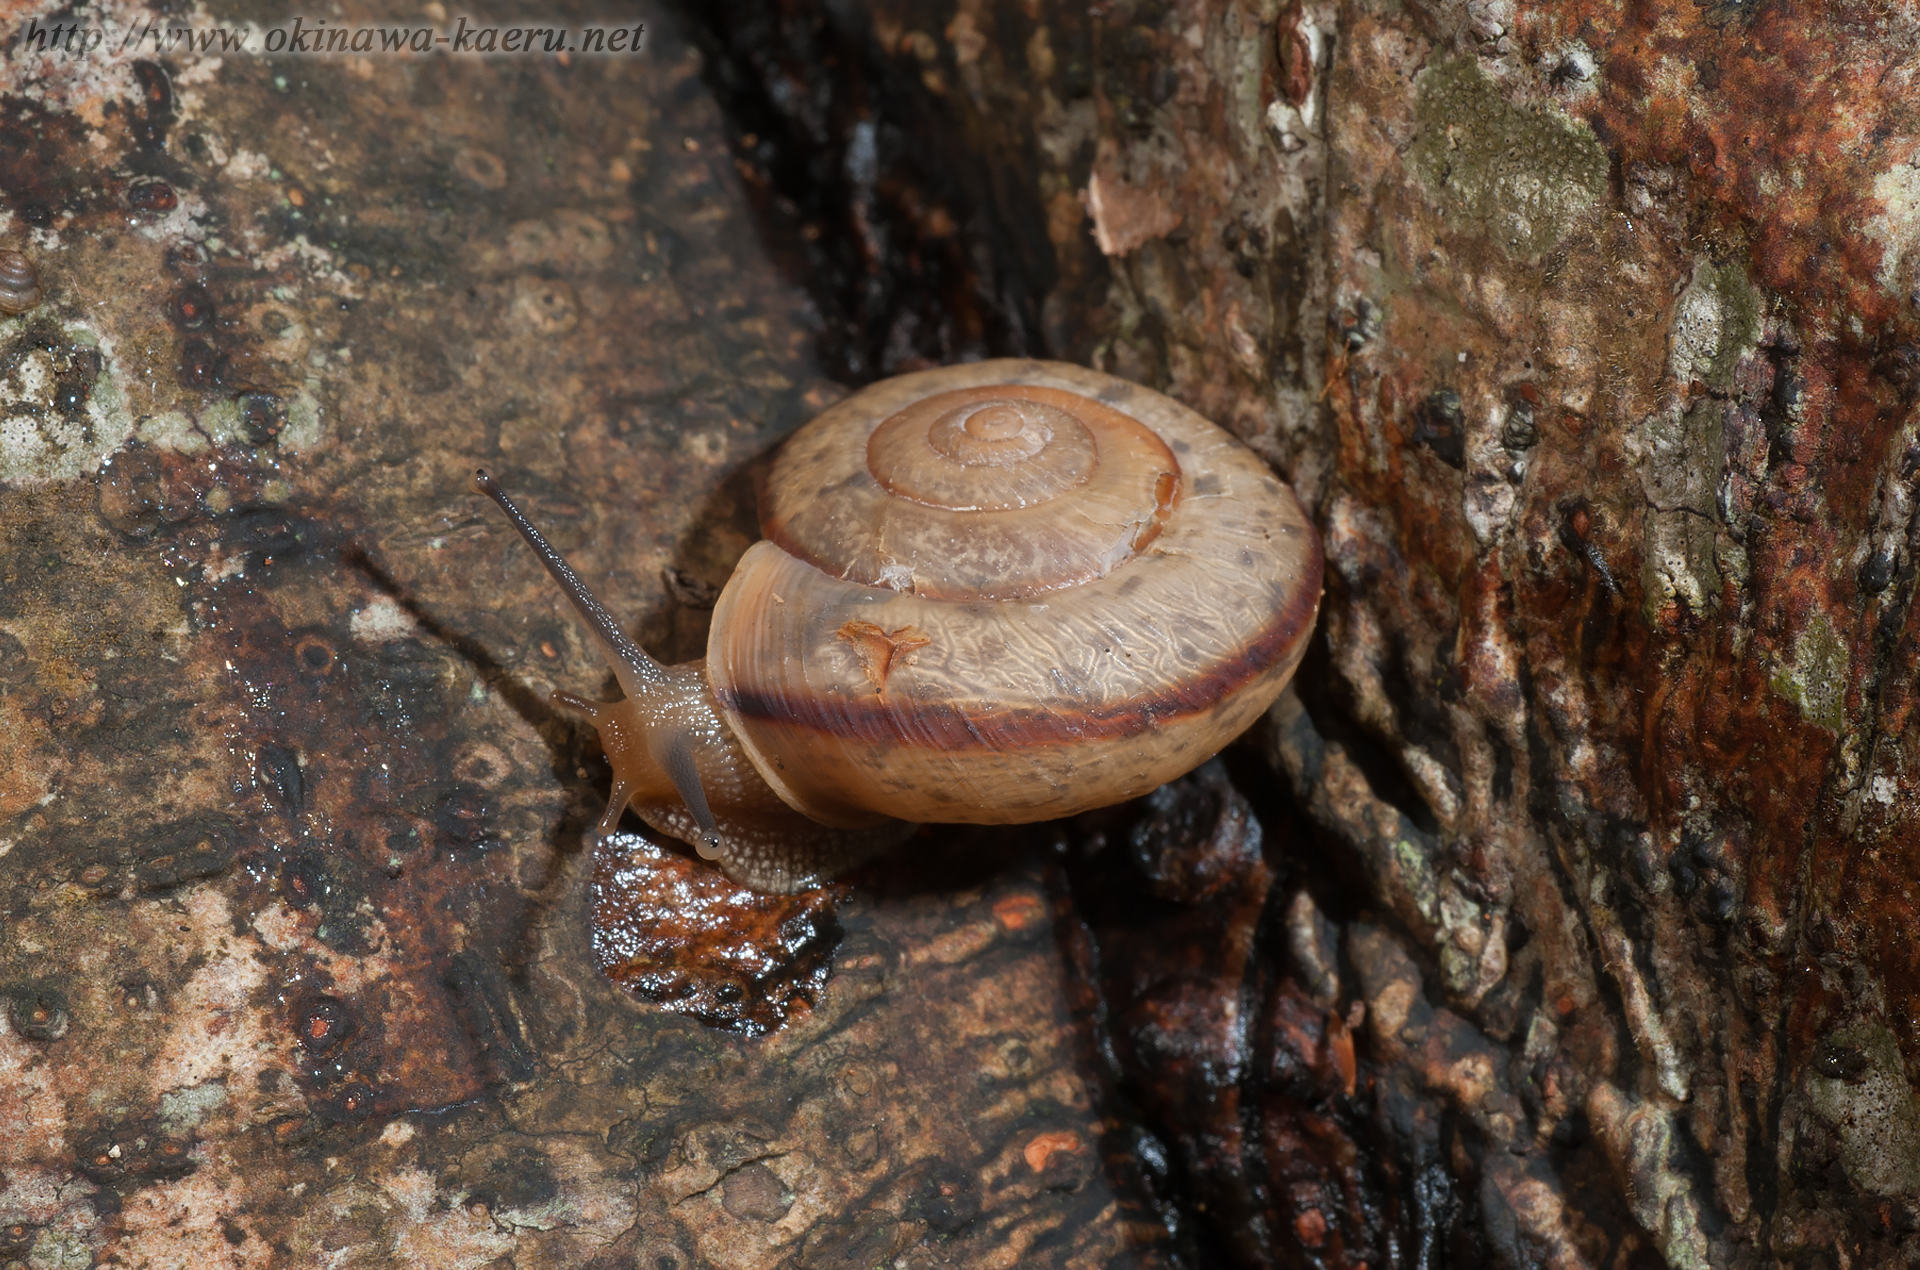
{"x": 627, "y": 657}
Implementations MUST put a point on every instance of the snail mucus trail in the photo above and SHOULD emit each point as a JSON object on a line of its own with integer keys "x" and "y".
{"x": 994, "y": 593}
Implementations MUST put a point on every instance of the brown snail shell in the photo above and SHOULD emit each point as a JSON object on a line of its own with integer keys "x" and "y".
{"x": 1060, "y": 618}
{"x": 20, "y": 287}
{"x": 993, "y": 593}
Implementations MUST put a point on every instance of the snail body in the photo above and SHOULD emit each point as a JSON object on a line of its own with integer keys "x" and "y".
{"x": 993, "y": 593}
{"x": 20, "y": 287}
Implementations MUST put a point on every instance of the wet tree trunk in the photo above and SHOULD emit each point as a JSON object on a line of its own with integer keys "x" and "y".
{"x": 1561, "y": 917}
{"x": 301, "y": 921}
{"x": 1589, "y": 333}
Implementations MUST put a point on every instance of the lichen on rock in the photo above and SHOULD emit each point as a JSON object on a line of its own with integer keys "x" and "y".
{"x": 1521, "y": 176}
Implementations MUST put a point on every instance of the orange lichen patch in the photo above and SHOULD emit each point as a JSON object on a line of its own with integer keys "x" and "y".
{"x": 1296, "y": 56}
{"x": 1017, "y": 912}
{"x": 882, "y": 650}
{"x": 1340, "y": 1051}
{"x": 63, "y": 676}
{"x": 27, "y": 761}
{"x": 1828, "y": 120}
{"x": 1043, "y": 1146}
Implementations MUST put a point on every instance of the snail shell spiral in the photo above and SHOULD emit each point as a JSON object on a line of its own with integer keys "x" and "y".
{"x": 1007, "y": 591}
{"x": 20, "y": 287}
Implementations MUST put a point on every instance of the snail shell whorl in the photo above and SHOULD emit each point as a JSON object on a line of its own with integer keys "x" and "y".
{"x": 987, "y": 492}
{"x": 20, "y": 287}
{"x": 1007, "y": 591}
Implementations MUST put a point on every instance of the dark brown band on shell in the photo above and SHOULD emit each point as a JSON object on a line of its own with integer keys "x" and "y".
{"x": 1274, "y": 649}
{"x": 938, "y": 669}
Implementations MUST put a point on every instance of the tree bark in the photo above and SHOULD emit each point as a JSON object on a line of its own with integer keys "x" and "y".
{"x": 300, "y": 962}
{"x": 1588, "y": 331}
{"x": 1560, "y": 917}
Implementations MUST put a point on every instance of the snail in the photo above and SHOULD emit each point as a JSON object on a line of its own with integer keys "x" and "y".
{"x": 993, "y": 593}
{"x": 20, "y": 286}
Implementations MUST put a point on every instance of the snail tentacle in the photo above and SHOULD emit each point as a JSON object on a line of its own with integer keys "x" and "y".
{"x": 616, "y": 806}
{"x": 641, "y": 678}
{"x": 573, "y": 701}
{"x": 678, "y": 765}
{"x": 673, "y": 751}
{"x": 631, "y": 666}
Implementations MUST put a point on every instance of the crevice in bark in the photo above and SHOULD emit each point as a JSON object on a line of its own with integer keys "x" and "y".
{"x": 865, "y": 199}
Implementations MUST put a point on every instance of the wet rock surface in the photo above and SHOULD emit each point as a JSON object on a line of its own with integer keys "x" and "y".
{"x": 673, "y": 931}
{"x": 297, "y": 961}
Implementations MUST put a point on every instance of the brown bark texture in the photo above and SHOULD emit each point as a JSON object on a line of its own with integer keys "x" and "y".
{"x": 1561, "y": 917}
{"x": 303, "y": 931}
{"x": 1587, "y": 329}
